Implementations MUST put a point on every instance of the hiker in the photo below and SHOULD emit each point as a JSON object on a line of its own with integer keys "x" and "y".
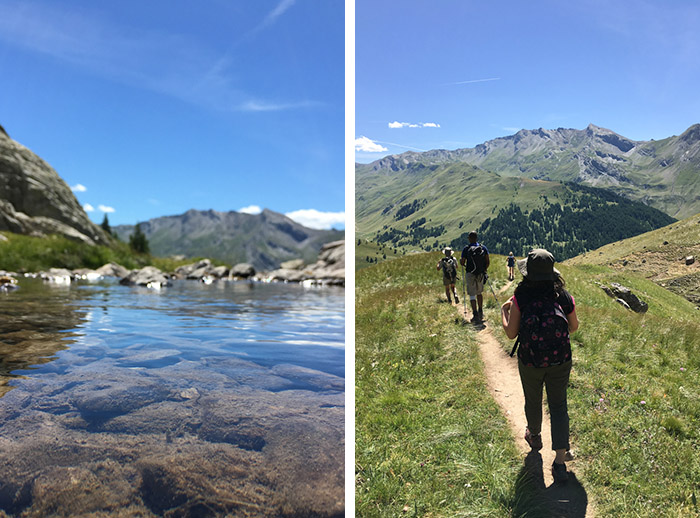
{"x": 510, "y": 261}
{"x": 448, "y": 265}
{"x": 542, "y": 314}
{"x": 475, "y": 259}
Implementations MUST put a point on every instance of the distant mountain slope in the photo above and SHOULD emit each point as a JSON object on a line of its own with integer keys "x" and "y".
{"x": 429, "y": 206}
{"x": 264, "y": 240}
{"x": 664, "y": 174}
{"x": 35, "y": 200}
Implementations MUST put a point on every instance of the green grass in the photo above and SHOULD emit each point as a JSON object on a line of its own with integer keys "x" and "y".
{"x": 634, "y": 401}
{"x": 430, "y": 441}
{"x": 22, "y": 253}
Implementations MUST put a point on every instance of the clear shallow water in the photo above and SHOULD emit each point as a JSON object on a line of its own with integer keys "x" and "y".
{"x": 196, "y": 400}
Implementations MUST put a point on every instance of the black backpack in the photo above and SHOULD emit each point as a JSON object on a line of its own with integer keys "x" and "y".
{"x": 543, "y": 336}
{"x": 478, "y": 256}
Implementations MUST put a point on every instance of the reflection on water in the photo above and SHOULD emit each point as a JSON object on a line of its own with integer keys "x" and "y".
{"x": 193, "y": 401}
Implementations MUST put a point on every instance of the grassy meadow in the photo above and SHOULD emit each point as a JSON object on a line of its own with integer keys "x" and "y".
{"x": 20, "y": 253}
{"x": 430, "y": 440}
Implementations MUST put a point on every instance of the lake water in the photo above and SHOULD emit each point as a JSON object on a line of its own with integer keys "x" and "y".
{"x": 195, "y": 400}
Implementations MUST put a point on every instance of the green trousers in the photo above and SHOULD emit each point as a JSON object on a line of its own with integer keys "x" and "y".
{"x": 556, "y": 381}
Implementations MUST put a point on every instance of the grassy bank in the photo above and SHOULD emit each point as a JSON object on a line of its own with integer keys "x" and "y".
{"x": 430, "y": 441}
{"x": 21, "y": 253}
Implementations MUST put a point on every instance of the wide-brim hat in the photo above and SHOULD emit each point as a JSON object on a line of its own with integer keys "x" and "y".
{"x": 538, "y": 266}
{"x": 447, "y": 249}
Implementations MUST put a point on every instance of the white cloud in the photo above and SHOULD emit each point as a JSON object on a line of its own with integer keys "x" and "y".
{"x": 105, "y": 208}
{"x": 250, "y": 209}
{"x": 78, "y": 187}
{"x": 397, "y": 124}
{"x": 88, "y": 208}
{"x": 368, "y": 145}
{"x": 313, "y": 218}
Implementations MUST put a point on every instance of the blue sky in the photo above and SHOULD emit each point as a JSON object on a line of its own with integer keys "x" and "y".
{"x": 153, "y": 108}
{"x": 453, "y": 74}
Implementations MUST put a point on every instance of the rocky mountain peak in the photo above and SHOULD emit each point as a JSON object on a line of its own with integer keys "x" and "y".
{"x": 691, "y": 135}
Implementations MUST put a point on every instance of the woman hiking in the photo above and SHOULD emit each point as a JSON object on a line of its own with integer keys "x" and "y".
{"x": 542, "y": 314}
{"x": 510, "y": 262}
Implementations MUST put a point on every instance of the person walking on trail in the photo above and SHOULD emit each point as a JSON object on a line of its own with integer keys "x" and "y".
{"x": 542, "y": 314}
{"x": 475, "y": 260}
{"x": 448, "y": 265}
{"x": 510, "y": 261}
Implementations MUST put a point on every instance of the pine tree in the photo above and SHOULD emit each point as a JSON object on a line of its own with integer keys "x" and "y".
{"x": 105, "y": 225}
{"x": 138, "y": 241}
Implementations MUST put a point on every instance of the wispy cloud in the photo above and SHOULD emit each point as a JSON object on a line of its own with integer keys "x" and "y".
{"x": 106, "y": 209}
{"x": 473, "y": 81}
{"x": 78, "y": 187}
{"x": 368, "y": 145}
{"x": 263, "y": 106}
{"x": 397, "y": 124}
{"x": 251, "y": 209}
{"x": 88, "y": 208}
{"x": 169, "y": 64}
{"x": 313, "y": 218}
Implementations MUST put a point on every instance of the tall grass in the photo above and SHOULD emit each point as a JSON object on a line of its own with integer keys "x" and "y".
{"x": 634, "y": 400}
{"x": 22, "y": 253}
{"x": 430, "y": 441}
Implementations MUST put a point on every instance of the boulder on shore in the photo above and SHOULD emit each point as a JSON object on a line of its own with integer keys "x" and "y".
{"x": 242, "y": 271}
{"x": 113, "y": 270}
{"x": 148, "y": 276}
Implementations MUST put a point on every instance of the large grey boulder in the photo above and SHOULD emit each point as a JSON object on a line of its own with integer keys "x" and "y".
{"x": 242, "y": 271}
{"x": 34, "y": 200}
{"x": 113, "y": 270}
{"x": 626, "y": 298}
{"x": 148, "y": 276}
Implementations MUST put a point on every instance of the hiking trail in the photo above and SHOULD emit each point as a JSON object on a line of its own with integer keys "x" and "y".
{"x": 503, "y": 381}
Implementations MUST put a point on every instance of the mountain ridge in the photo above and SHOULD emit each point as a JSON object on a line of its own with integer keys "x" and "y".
{"x": 661, "y": 173}
{"x": 264, "y": 240}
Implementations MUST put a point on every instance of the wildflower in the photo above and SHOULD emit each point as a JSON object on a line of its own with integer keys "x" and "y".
{"x": 642, "y": 402}
{"x": 682, "y": 369}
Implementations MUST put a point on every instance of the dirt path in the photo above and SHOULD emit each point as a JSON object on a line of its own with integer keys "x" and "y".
{"x": 503, "y": 381}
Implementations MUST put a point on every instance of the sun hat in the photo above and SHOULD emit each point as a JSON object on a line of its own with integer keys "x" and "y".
{"x": 447, "y": 249}
{"x": 539, "y": 265}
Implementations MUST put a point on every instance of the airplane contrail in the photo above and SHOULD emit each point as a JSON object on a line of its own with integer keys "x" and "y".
{"x": 474, "y": 81}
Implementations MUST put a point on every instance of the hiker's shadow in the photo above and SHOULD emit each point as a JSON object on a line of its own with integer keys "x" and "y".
{"x": 534, "y": 499}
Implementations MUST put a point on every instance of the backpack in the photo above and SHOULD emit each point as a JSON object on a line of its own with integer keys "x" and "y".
{"x": 478, "y": 256}
{"x": 449, "y": 266}
{"x": 543, "y": 336}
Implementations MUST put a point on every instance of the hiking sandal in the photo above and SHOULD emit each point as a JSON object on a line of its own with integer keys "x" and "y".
{"x": 535, "y": 441}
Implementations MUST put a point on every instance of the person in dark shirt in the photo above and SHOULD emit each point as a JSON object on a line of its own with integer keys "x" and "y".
{"x": 475, "y": 259}
{"x": 510, "y": 261}
{"x": 543, "y": 362}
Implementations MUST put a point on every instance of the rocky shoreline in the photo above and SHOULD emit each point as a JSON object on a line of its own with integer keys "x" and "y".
{"x": 328, "y": 270}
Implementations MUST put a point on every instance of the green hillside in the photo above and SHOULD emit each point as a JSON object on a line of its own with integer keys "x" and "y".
{"x": 427, "y": 207}
{"x": 659, "y": 173}
{"x": 659, "y": 255}
{"x": 430, "y": 440}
